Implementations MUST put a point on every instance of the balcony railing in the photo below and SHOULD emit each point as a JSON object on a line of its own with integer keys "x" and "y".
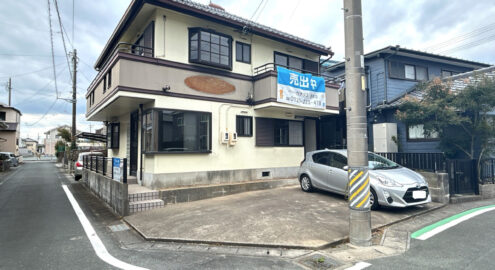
{"x": 134, "y": 49}
{"x": 273, "y": 67}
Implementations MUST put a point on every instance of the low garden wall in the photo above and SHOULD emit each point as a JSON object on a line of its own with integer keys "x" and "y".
{"x": 113, "y": 193}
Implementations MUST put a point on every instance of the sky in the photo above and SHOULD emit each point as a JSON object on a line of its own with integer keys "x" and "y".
{"x": 452, "y": 28}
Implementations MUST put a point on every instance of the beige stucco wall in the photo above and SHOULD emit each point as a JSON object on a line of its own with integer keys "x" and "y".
{"x": 171, "y": 39}
{"x": 9, "y": 145}
{"x": 11, "y": 116}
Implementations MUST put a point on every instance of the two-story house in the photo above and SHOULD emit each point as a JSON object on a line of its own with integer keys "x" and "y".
{"x": 390, "y": 73}
{"x": 10, "y": 129}
{"x": 190, "y": 95}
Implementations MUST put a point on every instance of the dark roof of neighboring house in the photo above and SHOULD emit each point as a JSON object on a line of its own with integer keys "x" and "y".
{"x": 29, "y": 140}
{"x": 457, "y": 83}
{"x": 10, "y": 126}
{"x": 3, "y": 105}
{"x": 211, "y": 13}
{"x": 397, "y": 50}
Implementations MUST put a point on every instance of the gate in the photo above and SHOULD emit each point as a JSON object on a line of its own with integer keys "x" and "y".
{"x": 462, "y": 176}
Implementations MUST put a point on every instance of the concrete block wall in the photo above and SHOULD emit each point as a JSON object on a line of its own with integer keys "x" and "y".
{"x": 487, "y": 191}
{"x": 438, "y": 184}
{"x": 113, "y": 193}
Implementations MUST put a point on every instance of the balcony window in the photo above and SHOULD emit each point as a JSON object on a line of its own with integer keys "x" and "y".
{"x": 296, "y": 63}
{"x": 171, "y": 131}
{"x": 144, "y": 44}
{"x": 210, "y": 48}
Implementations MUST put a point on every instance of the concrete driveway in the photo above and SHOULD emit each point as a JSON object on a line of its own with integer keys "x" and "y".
{"x": 282, "y": 217}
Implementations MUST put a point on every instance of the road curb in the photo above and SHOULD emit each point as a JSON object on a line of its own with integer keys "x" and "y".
{"x": 330, "y": 244}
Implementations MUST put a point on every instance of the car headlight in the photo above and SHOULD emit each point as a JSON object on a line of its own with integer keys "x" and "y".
{"x": 388, "y": 182}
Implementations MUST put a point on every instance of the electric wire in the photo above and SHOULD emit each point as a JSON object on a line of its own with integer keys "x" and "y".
{"x": 470, "y": 45}
{"x": 30, "y": 97}
{"x": 466, "y": 36}
{"x": 43, "y": 116}
{"x": 259, "y": 5}
{"x": 53, "y": 53}
{"x": 261, "y": 10}
{"x": 63, "y": 39}
{"x": 29, "y": 72}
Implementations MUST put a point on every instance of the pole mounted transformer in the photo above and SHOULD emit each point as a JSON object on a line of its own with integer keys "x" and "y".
{"x": 357, "y": 140}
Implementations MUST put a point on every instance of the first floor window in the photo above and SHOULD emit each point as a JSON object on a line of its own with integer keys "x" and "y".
{"x": 113, "y": 133}
{"x": 177, "y": 131}
{"x": 417, "y": 132}
{"x": 278, "y": 132}
{"x": 3, "y": 116}
{"x": 244, "y": 126}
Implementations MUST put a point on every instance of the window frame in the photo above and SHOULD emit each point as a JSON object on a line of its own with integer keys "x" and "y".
{"x": 113, "y": 144}
{"x": 303, "y": 63}
{"x": 425, "y": 139}
{"x": 277, "y": 122}
{"x": 4, "y": 116}
{"x": 199, "y": 30}
{"x": 157, "y": 131}
{"x": 237, "y": 127}
{"x": 243, "y": 46}
{"x": 393, "y": 76}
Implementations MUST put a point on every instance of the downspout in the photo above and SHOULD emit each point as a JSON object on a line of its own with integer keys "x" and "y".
{"x": 141, "y": 147}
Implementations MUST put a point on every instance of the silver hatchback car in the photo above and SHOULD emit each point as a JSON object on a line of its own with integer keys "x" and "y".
{"x": 391, "y": 184}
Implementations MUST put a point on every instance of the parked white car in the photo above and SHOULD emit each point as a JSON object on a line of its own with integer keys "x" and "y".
{"x": 390, "y": 184}
{"x": 78, "y": 166}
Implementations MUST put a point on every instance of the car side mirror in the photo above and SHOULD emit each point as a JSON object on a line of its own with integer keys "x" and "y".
{"x": 345, "y": 168}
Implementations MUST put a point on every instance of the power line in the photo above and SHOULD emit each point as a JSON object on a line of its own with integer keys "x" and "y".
{"x": 470, "y": 45}
{"x": 261, "y": 10}
{"x": 28, "y": 55}
{"x": 43, "y": 116}
{"x": 259, "y": 5}
{"x": 462, "y": 37}
{"x": 37, "y": 91}
{"x": 29, "y": 72}
{"x": 62, "y": 34}
{"x": 51, "y": 42}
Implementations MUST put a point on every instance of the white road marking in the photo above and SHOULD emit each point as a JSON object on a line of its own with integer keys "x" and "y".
{"x": 452, "y": 223}
{"x": 96, "y": 242}
{"x": 359, "y": 266}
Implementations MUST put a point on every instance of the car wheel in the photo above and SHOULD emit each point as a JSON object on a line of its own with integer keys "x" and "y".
{"x": 306, "y": 185}
{"x": 373, "y": 200}
{"x": 77, "y": 177}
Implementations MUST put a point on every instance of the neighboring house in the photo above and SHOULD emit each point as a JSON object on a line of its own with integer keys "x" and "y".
{"x": 30, "y": 144}
{"x": 392, "y": 72}
{"x": 51, "y": 139}
{"x": 10, "y": 129}
{"x": 456, "y": 83}
{"x": 189, "y": 95}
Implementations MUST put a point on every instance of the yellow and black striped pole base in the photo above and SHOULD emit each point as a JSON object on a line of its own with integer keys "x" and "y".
{"x": 359, "y": 188}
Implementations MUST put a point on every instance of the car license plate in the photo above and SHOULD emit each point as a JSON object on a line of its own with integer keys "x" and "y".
{"x": 419, "y": 194}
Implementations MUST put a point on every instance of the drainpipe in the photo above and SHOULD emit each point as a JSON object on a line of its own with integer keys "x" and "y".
{"x": 141, "y": 147}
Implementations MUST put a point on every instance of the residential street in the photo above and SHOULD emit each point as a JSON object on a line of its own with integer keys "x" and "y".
{"x": 468, "y": 245}
{"x": 40, "y": 230}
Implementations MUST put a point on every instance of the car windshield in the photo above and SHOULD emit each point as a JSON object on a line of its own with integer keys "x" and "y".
{"x": 376, "y": 162}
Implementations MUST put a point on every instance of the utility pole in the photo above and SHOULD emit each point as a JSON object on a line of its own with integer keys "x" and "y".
{"x": 10, "y": 91}
{"x": 357, "y": 141}
{"x": 74, "y": 98}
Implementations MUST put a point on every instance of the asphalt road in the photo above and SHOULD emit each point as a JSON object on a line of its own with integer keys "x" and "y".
{"x": 468, "y": 245}
{"x": 40, "y": 230}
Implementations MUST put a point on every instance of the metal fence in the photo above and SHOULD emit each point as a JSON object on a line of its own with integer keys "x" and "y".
{"x": 432, "y": 162}
{"x": 109, "y": 167}
{"x": 487, "y": 171}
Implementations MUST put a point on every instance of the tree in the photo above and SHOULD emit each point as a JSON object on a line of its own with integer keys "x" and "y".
{"x": 65, "y": 134}
{"x": 461, "y": 118}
